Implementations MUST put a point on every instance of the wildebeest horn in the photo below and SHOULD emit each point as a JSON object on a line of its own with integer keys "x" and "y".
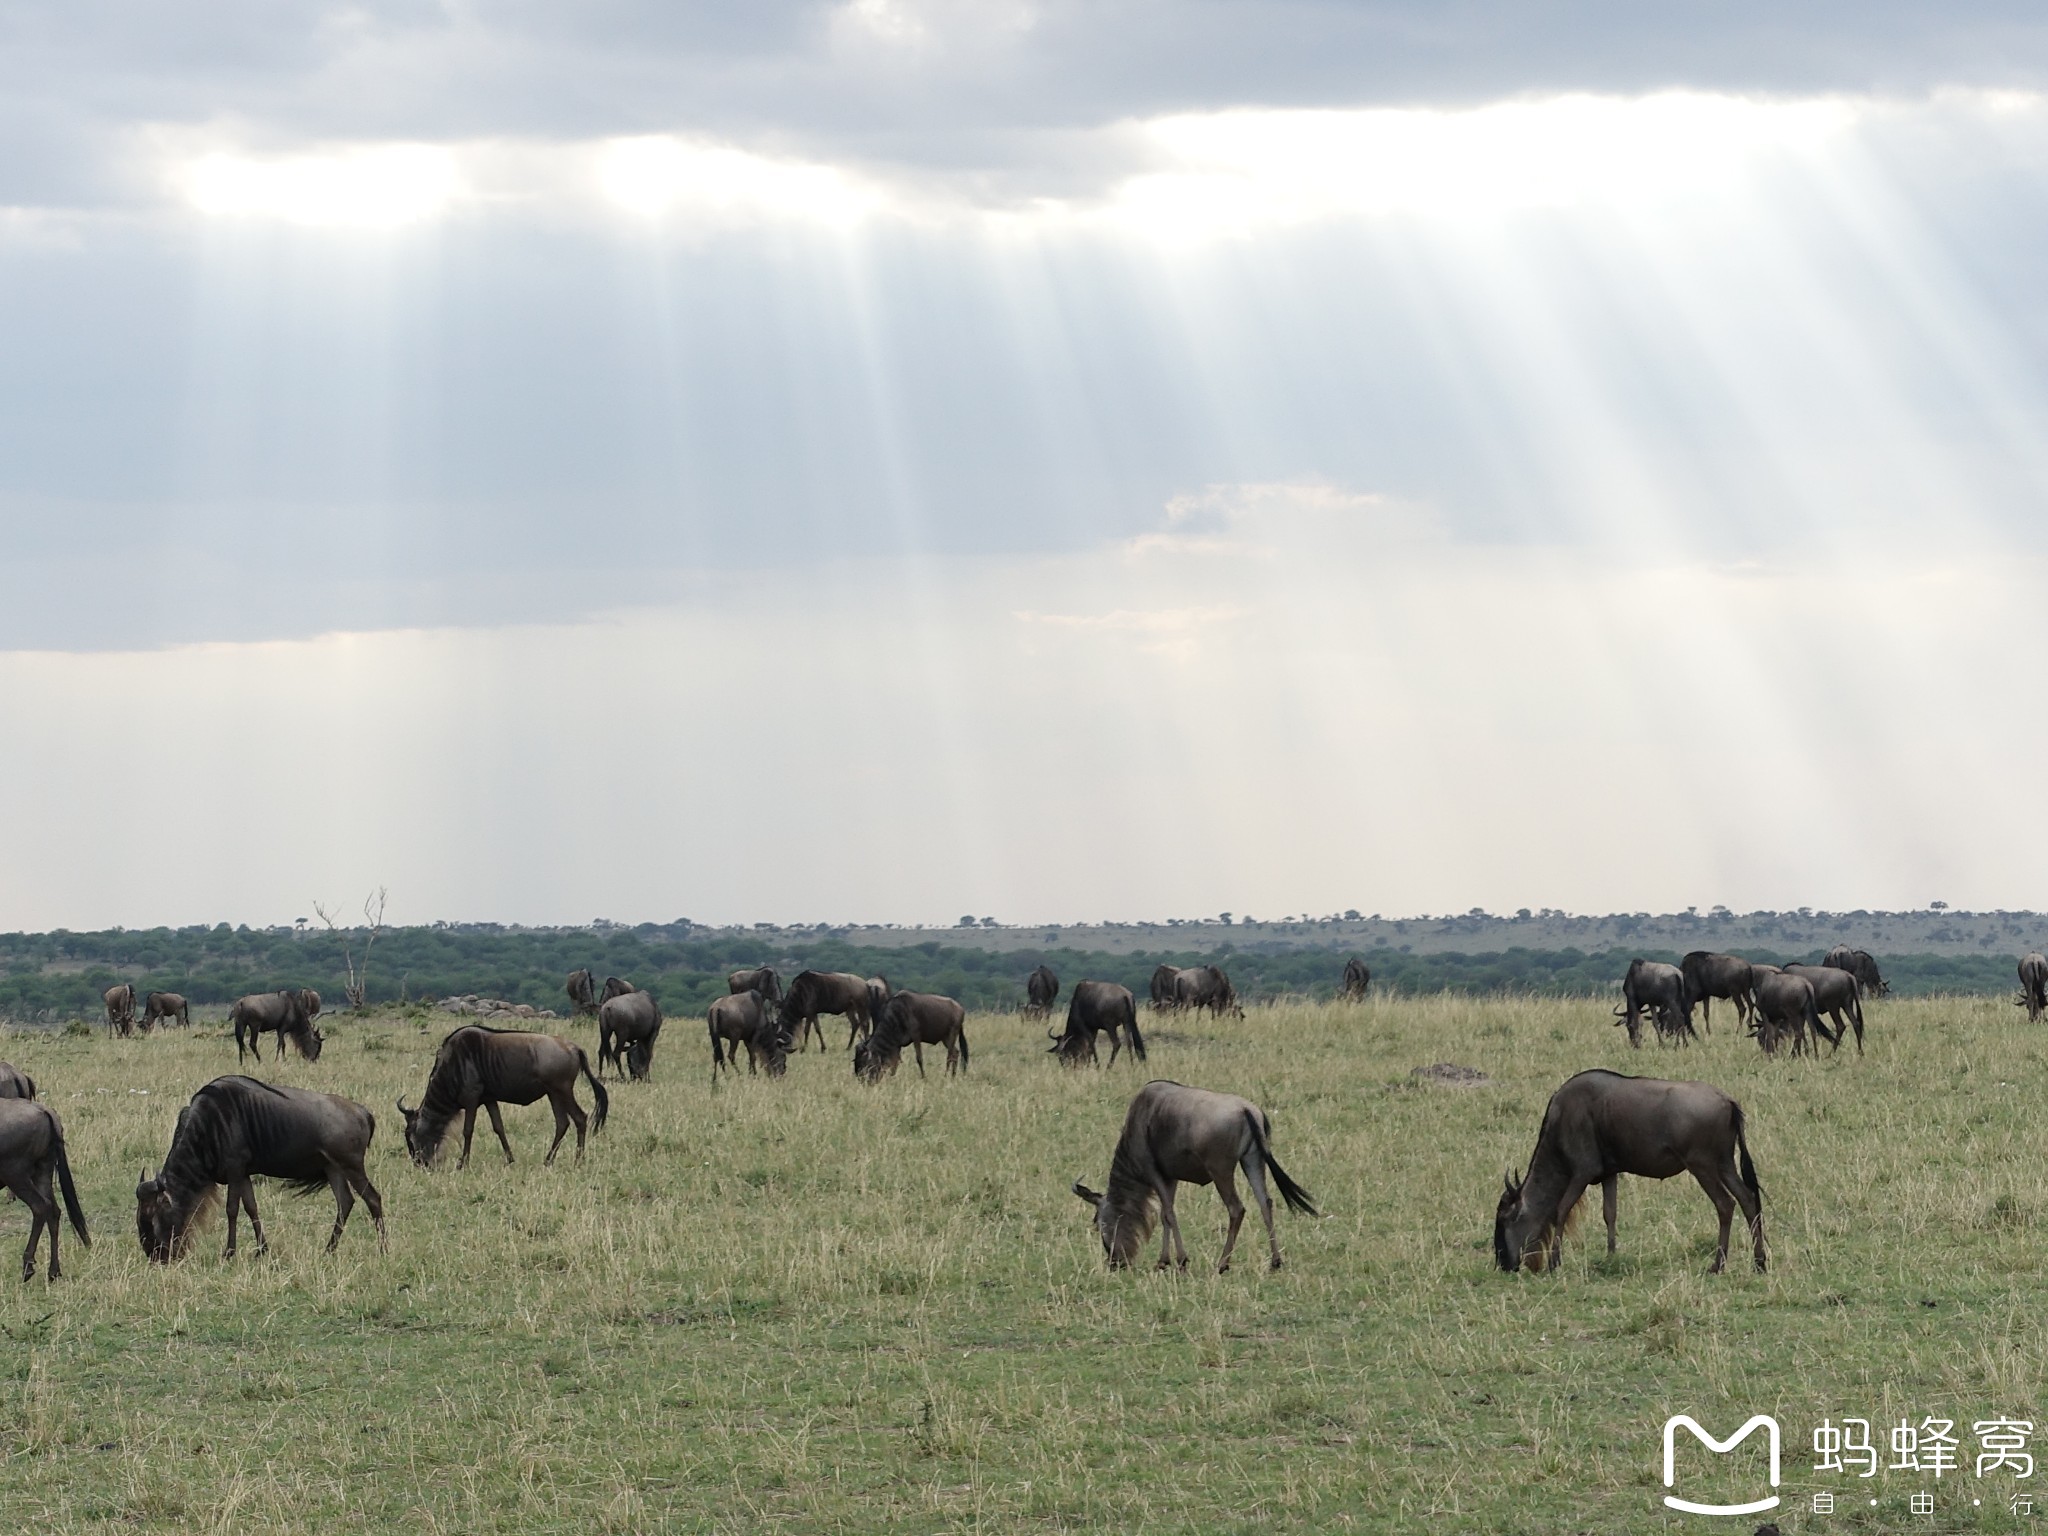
{"x": 401, "y": 1105}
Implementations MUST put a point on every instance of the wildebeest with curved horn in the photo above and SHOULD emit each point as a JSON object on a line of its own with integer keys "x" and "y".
{"x": 480, "y": 1067}
{"x": 816, "y": 992}
{"x": 237, "y": 1129}
{"x": 1785, "y": 1004}
{"x": 1661, "y": 989}
{"x": 1041, "y": 988}
{"x": 916, "y": 1019}
{"x": 627, "y": 1027}
{"x": 120, "y": 1001}
{"x": 582, "y": 990}
{"x": 1600, "y": 1125}
{"x": 1092, "y": 1007}
{"x": 2034, "y": 986}
{"x": 762, "y": 979}
{"x": 1357, "y": 979}
{"x": 15, "y": 1083}
{"x": 1175, "y": 1135}
{"x": 1205, "y": 986}
{"x": 1860, "y": 964}
{"x": 743, "y": 1019}
{"x": 31, "y": 1150}
{"x": 1835, "y": 993}
{"x": 1709, "y": 975}
{"x": 310, "y": 1001}
{"x": 165, "y": 1005}
{"x": 879, "y": 993}
{"x": 1163, "y": 995}
{"x": 280, "y": 1013}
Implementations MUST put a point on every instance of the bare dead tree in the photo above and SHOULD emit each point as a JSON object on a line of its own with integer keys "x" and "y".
{"x": 358, "y": 976}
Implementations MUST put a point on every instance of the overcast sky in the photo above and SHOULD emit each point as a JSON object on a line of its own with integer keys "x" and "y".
{"x": 890, "y": 460}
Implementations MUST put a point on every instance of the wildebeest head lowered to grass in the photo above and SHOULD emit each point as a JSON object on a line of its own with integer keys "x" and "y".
{"x": 120, "y": 1001}
{"x": 816, "y": 992}
{"x": 31, "y": 1150}
{"x": 1175, "y": 1135}
{"x": 1600, "y": 1125}
{"x": 480, "y": 1067}
{"x": 1092, "y": 1007}
{"x": 1206, "y": 986}
{"x": 165, "y": 1005}
{"x": 237, "y": 1129}
{"x": 1357, "y": 978}
{"x": 2034, "y": 986}
{"x": 280, "y": 1013}
{"x": 915, "y": 1019}
{"x": 582, "y": 990}
{"x": 1658, "y": 989}
{"x": 745, "y": 1019}
{"x": 1041, "y": 987}
{"x": 1161, "y": 990}
{"x": 627, "y": 1027}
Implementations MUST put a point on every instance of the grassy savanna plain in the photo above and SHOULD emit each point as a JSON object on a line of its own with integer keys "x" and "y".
{"x": 811, "y": 1305}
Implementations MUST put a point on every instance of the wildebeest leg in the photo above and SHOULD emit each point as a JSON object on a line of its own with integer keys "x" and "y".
{"x": 1255, "y": 1175}
{"x": 41, "y": 1209}
{"x": 1711, "y": 1181}
{"x": 468, "y": 1131}
{"x": 1169, "y": 1222}
{"x": 1573, "y": 1193}
{"x": 1610, "y": 1190}
{"x": 375, "y": 1202}
{"x": 498, "y": 1125}
{"x": 917, "y": 1049}
{"x": 344, "y": 1202}
{"x": 1226, "y": 1191}
{"x": 1116, "y": 1042}
{"x": 561, "y": 1128}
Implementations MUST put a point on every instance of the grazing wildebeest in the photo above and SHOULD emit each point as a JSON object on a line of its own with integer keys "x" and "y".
{"x": 1660, "y": 988}
{"x": 310, "y": 1001}
{"x": 236, "y": 1129}
{"x": 1041, "y": 987}
{"x": 480, "y": 1066}
{"x": 1092, "y": 1007}
{"x": 1357, "y": 978}
{"x": 280, "y": 1013}
{"x": 879, "y": 993}
{"x": 2034, "y": 986}
{"x": 1709, "y": 975}
{"x": 1600, "y": 1125}
{"x": 165, "y": 1005}
{"x": 120, "y": 1001}
{"x": 15, "y": 1083}
{"x": 31, "y": 1149}
{"x": 582, "y": 990}
{"x": 1835, "y": 993}
{"x": 1785, "y": 1005}
{"x": 627, "y": 1027}
{"x": 762, "y": 979}
{"x": 816, "y": 992}
{"x": 1163, "y": 994}
{"x": 1205, "y": 986}
{"x": 1860, "y": 964}
{"x": 916, "y": 1019}
{"x": 744, "y": 1019}
{"x": 1176, "y": 1135}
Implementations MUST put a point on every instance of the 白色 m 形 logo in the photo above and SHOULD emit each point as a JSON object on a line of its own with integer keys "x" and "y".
{"x": 1672, "y": 1425}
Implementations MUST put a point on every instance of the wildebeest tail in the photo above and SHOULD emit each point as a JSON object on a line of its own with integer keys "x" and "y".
{"x": 963, "y": 1048}
{"x": 717, "y": 1050}
{"x": 71, "y": 1206}
{"x": 604, "y": 1100}
{"x": 1131, "y": 1023}
{"x": 1296, "y": 1197}
{"x": 1745, "y": 1166}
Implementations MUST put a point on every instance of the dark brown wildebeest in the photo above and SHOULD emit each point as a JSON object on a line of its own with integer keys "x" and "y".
{"x": 582, "y": 990}
{"x": 762, "y": 979}
{"x": 280, "y": 1013}
{"x": 237, "y": 1129}
{"x": 15, "y": 1083}
{"x": 1092, "y": 1007}
{"x": 613, "y": 987}
{"x": 916, "y": 1019}
{"x": 1835, "y": 993}
{"x": 1357, "y": 978}
{"x": 816, "y": 992}
{"x": 1041, "y": 988}
{"x": 627, "y": 1027}
{"x": 879, "y": 993}
{"x": 1205, "y": 986}
{"x": 1860, "y": 964}
{"x": 310, "y": 1001}
{"x": 1661, "y": 989}
{"x": 1176, "y": 1135}
{"x": 2034, "y": 986}
{"x": 1785, "y": 1005}
{"x": 31, "y": 1149}
{"x": 743, "y": 1019}
{"x": 1163, "y": 995}
{"x": 120, "y": 1001}
{"x": 1600, "y": 1125}
{"x": 165, "y": 1005}
{"x": 1709, "y": 975}
{"x": 478, "y": 1066}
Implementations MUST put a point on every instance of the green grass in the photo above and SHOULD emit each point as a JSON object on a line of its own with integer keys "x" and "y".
{"x": 808, "y": 1305}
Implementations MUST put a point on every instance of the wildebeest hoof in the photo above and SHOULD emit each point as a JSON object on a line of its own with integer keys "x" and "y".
{"x": 1275, "y": 1264}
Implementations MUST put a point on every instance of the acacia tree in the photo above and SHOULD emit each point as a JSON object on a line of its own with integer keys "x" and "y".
{"x": 358, "y": 977}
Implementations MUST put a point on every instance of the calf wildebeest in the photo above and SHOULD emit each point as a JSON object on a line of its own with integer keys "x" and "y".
{"x": 743, "y": 1019}
{"x": 480, "y": 1066}
{"x": 1660, "y": 988}
{"x": 1041, "y": 988}
{"x": 165, "y": 1005}
{"x": 31, "y": 1149}
{"x": 582, "y": 990}
{"x": 237, "y": 1129}
{"x": 762, "y": 979}
{"x": 1163, "y": 995}
{"x": 1860, "y": 964}
{"x": 1205, "y": 986}
{"x": 1785, "y": 1005}
{"x": 1357, "y": 978}
{"x": 120, "y": 1001}
{"x": 816, "y": 992}
{"x": 916, "y": 1019}
{"x": 1709, "y": 975}
{"x": 2034, "y": 986}
{"x": 1600, "y": 1125}
{"x": 627, "y": 1027}
{"x": 1835, "y": 993}
{"x": 15, "y": 1083}
{"x": 1092, "y": 1007}
{"x": 1177, "y": 1135}
{"x": 280, "y": 1013}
